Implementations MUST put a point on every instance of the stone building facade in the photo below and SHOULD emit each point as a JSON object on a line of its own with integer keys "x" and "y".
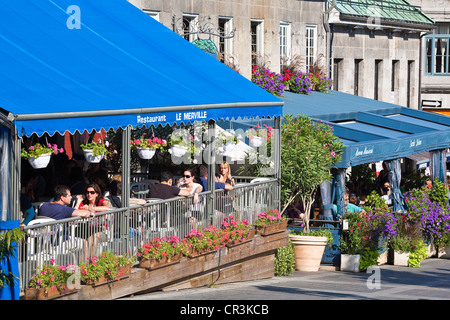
{"x": 375, "y": 53}
{"x": 435, "y": 83}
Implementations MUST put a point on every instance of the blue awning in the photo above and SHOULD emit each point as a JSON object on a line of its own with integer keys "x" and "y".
{"x": 119, "y": 68}
{"x": 372, "y": 130}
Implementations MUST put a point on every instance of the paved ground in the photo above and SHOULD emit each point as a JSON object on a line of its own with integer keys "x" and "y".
{"x": 430, "y": 282}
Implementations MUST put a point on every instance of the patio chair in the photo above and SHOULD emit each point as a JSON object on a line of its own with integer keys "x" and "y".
{"x": 140, "y": 189}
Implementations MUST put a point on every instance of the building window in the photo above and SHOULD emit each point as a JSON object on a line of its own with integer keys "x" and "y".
{"x": 356, "y": 77}
{"x": 311, "y": 46}
{"x": 437, "y": 54}
{"x": 285, "y": 42}
{"x": 337, "y": 73}
{"x": 257, "y": 38}
{"x": 376, "y": 89}
{"x": 410, "y": 83}
{"x": 153, "y": 14}
{"x": 225, "y": 45}
{"x": 190, "y": 27}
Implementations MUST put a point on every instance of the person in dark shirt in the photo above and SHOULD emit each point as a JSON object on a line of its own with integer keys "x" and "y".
{"x": 203, "y": 180}
{"x": 59, "y": 209}
{"x": 165, "y": 190}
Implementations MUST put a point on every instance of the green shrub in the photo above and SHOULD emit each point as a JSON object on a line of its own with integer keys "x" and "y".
{"x": 417, "y": 253}
{"x": 284, "y": 260}
{"x": 369, "y": 257}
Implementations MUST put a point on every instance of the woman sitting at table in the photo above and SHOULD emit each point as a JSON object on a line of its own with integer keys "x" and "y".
{"x": 187, "y": 182}
{"x": 225, "y": 174}
{"x": 94, "y": 199}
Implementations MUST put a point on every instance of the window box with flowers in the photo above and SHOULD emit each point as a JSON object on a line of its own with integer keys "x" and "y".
{"x": 160, "y": 252}
{"x": 270, "y": 81}
{"x": 107, "y": 267}
{"x": 39, "y": 155}
{"x": 146, "y": 148}
{"x": 237, "y": 234}
{"x": 94, "y": 152}
{"x": 50, "y": 281}
{"x": 270, "y": 222}
{"x": 202, "y": 242}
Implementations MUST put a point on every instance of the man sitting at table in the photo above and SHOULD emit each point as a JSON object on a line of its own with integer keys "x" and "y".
{"x": 165, "y": 189}
{"x": 203, "y": 180}
{"x": 59, "y": 208}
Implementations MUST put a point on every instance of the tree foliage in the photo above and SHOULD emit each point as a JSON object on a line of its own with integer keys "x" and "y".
{"x": 309, "y": 149}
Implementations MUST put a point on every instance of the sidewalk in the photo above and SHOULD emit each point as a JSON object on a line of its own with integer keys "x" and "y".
{"x": 430, "y": 282}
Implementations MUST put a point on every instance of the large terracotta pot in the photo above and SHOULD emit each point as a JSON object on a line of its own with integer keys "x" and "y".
{"x": 308, "y": 252}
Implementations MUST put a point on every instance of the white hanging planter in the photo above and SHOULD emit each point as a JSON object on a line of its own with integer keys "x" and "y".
{"x": 256, "y": 142}
{"x": 40, "y": 162}
{"x": 178, "y": 151}
{"x": 146, "y": 153}
{"x": 226, "y": 149}
{"x": 89, "y": 155}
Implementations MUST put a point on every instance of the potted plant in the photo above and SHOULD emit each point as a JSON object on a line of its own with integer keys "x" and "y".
{"x": 309, "y": 150}
{"x": 269, "y": 222}
{"x": 146, "y": 148}
{"x": 257, "y": 136}
{"x": 38, "y": 155}
{"x": 353, "y": 241}
{"x": 94, "y": 152}
{"x": 309, "y": 248}
{"x": 400, "y": 246}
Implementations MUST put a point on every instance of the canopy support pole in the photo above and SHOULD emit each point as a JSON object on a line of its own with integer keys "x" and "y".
{"x": 126, "y": 157}
{"x": 277, "y": 161}
{"x": 211, "y": 160}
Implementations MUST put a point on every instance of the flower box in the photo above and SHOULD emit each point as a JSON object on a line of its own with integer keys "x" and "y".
{"x": 40, "y": 161}
{"x": 146, "y": 153}
{"x": 272, "y": 228}
{"x": 236, "y": 247}
{"x": 152, "y": 264}
{"x": 399, "y": 258}
{"x": 47, "y": 293}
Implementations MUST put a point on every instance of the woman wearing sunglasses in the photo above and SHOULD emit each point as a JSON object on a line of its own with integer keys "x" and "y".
{"x": 94, "y": 199}
{"x": 187, "y": 182}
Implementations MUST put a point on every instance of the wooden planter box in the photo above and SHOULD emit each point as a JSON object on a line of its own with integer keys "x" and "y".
{"x": 152, "y": 264}
{"x": 252, "y": 260}
{"x": 47, "y": 293}
{"x": 273, "y": 228}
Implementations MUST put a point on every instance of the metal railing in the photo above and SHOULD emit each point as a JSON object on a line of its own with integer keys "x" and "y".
{"x": 125, "y": 230}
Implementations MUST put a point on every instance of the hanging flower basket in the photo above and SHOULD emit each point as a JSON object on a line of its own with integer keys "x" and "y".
{"x": 146, "y": 153}
{"x": 146, "y": 147}
{"x": 40, "y": 162}
{"x": 89, "y": 155}
{"x": 256, "y": 142}
{"x": 94, "y": 152}
{"x": 178, "y": 151}
{"x": 39, "y": 155}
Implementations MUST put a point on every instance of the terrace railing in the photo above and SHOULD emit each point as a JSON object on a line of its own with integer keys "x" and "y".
{"x": 125, "y": 230}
